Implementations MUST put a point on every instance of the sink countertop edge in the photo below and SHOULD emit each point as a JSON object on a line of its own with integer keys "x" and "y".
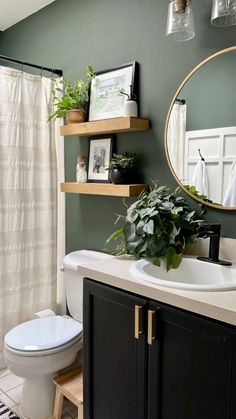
{"x": 217, "y": 305}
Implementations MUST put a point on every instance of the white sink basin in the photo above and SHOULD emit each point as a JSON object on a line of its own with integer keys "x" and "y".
{"x": 193, "y": 274}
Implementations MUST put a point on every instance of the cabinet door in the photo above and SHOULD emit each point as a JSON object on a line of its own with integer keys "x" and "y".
{"x": 114, "y": 360}
{"x": 192, "y": 369}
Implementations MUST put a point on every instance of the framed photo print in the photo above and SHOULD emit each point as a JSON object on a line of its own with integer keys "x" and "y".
{"x": 106, "y": 101}
{"x": 100, "y": 153}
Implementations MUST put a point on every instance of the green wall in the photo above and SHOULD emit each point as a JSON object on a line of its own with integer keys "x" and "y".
{"x": 105, "y": 33}
{"x": 0, "y": 42}
{"x": 210, "y": 94}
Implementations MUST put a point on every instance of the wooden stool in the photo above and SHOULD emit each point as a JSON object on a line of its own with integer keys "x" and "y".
{"x": 70, "y": 385}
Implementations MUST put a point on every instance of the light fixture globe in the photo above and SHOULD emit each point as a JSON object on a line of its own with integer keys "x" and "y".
{"x": 223, "y": 13}
{"x": 180, "y": 20}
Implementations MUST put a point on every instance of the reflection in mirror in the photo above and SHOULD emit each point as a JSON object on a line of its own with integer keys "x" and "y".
{"x": 201, "y": 132}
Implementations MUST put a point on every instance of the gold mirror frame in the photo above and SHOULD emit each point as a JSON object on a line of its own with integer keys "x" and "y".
{"x": 204, "y": 62}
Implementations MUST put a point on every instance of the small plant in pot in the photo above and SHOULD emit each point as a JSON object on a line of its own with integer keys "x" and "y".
{"x": 122, "y": 168}
{"x": 70, "y": 99}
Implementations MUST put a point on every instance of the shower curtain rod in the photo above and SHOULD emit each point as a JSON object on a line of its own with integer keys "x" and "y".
{"x": 24, "y": 63}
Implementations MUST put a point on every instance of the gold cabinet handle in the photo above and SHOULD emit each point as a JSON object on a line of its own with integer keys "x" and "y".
{"x": 150, "y": 337}
{"x": 137, "y": 332}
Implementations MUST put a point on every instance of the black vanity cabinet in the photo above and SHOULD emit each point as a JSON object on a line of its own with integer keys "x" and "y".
{"x": 192, "y": 367}
{"x": 145, "y": 360}
{"x": 114, "y": 361}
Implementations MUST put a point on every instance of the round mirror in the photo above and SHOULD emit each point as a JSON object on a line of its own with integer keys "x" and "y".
{"x": 200, "y": 132}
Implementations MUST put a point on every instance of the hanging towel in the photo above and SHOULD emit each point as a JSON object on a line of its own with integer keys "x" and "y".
{"x": 200, "y": 178}
{"x": 230, "y": 194}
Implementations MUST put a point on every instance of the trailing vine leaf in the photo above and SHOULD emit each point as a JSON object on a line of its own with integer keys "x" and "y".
{"x": 158, "y": 225}
{"x": 192, "y": 189}
{"x": 115, "y": 235}
{"x": 157, "y": 261}
{"x": 173, "y": 259}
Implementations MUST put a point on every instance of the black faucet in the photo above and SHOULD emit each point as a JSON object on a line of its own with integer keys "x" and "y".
{"x": 213, "y": 232}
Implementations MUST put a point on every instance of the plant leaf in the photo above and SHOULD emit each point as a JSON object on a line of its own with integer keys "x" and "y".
{"x": 129, "y": 232}
{"x": 166, "y": 206}
{"x": 149, "y": 227}
{"x": 173, "y": 259}
{"x": 115, "y": 235}
{"x": 157, "y": 261}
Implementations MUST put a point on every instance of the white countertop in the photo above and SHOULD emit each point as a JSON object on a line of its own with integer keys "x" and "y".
{"x": 115, "y": 272}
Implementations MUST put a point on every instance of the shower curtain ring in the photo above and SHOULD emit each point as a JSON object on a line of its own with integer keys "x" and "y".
{"x": 41, "y": 74}
{"x": 22, "y": 65}
{"x": 52, "y": 73}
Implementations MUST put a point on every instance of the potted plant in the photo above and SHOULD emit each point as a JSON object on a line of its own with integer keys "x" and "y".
{"x": 158, "y": 226}
{"x": 121, "y": 168}
{"x": 70, "y": 99}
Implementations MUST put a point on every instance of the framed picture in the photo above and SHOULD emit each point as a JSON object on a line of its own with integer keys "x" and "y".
{"x": 100, "y": 153}
{"x": 106, "y": 101}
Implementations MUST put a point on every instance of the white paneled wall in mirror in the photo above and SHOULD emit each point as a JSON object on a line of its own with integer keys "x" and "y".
{"x": 218, "y": 149}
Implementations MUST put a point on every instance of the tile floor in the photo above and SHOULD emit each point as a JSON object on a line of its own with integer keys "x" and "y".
{"x": 11, "y": 389}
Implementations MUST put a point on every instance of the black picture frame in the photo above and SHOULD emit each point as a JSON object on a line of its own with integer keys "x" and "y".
{"x": 105, "y": 101}
{"x": 99, "y": 155}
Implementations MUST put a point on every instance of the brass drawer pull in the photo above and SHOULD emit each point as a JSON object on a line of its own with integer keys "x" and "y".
{"x": 137, "y": 332}
{"x": 150, "y": 337}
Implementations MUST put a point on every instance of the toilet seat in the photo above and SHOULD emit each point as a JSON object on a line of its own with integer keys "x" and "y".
{"x": 43, "y": 336}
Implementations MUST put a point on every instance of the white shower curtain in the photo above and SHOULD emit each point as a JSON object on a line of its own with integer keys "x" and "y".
{"x": 176, "y": 138}
{"x": 28, "y": 198}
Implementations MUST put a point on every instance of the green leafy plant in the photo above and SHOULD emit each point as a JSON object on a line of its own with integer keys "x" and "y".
{"x": 158, "y": 226}
{"x": 122, "y": 161}
{"x": 69, "y": 95}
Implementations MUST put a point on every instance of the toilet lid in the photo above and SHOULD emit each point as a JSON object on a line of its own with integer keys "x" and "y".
{"x": 42, "y": 334}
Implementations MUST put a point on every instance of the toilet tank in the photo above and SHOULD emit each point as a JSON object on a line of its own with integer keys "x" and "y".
{"x": 74, "y": 281}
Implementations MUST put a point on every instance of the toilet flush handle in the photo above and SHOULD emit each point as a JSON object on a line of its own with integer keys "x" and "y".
{"x": 62, "y": 268}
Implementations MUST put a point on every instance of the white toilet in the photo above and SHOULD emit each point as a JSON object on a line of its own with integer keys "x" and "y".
{"x": 37, "y": 349}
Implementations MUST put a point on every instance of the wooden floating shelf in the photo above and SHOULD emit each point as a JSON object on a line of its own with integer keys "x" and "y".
{"x": 106, "y": 126}
{"x": 108, "y": 189}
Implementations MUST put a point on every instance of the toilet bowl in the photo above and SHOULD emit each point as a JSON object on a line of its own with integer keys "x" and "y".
{"x": 37, "y": 349}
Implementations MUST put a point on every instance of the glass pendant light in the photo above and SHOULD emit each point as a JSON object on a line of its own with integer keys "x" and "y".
{"x": 180, "y": 20}
{"x": 223, "y": 13}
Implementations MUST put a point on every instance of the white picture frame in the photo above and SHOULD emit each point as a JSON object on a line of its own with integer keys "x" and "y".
{"x": 106, "y": 101}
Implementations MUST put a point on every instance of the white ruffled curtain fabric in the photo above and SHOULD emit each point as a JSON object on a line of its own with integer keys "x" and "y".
{"x": 29, "y": 147}
{"x": 176, "y": 138}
